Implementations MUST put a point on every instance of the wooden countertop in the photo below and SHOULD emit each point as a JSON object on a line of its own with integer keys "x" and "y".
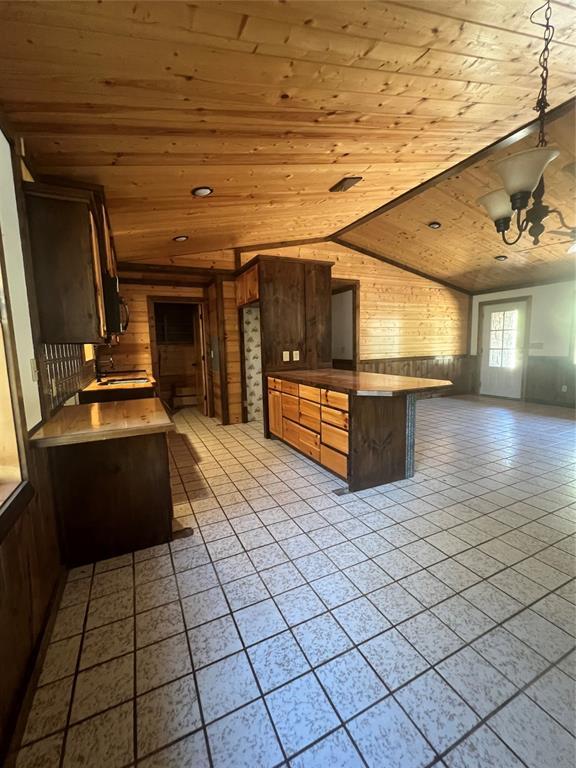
{"x": 361, "y": 383}
{"x": 95, "y": 385}
{"x": 103, "y": 421}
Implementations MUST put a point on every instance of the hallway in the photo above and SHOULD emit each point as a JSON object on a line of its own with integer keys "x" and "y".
{"x": 426, "y": 622}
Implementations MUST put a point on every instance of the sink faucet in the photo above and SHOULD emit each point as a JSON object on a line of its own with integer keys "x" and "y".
{"x": 100, "y": 361}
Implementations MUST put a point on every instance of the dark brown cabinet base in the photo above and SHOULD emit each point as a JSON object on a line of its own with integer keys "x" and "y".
{"x": 112, "y": 496}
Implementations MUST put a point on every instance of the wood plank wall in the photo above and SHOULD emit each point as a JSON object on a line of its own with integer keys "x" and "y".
{"x": 134, "y": 350}
{"x": 30, "y": 571}
{"x": 232, "y": 341}
{"x": 402, "y": 315}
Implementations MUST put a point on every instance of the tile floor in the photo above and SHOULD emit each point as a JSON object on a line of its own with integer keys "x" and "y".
{"x": 428, "y": 622}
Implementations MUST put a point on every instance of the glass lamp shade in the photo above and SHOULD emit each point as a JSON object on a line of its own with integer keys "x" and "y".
{"x": 497, "y": 204}
{"x": 521, "y": 172}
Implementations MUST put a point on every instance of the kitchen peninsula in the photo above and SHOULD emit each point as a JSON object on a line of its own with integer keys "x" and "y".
{"x": 111, "y": 477}
{"x": 358, "y": 425}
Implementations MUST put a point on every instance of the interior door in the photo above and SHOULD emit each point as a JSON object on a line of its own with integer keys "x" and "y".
{"x": 502, "y": 349}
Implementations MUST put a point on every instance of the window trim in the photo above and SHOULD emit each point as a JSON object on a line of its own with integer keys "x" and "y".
{"x": 16, "y": 502}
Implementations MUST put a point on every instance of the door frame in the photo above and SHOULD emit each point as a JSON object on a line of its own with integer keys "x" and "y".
{"x": 527, "y": 316}
{"x": 151, "y": 300}
{"x": 341, "y": 285}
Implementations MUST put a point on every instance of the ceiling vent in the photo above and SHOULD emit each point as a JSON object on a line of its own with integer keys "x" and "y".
{"x": 344, "y": 184}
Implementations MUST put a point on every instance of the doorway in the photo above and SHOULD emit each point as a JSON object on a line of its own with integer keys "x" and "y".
{"x": 345, "y": 325}
{"x": 177, "y": 348}
{"x": 503, "y": 347}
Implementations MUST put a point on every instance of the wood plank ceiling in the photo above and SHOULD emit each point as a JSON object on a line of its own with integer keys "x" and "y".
{"x": 268, "y": 102}
{"x": 462, "y": 251}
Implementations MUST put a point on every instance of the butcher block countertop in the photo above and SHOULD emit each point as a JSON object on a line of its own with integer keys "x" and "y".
{"x": 361, "y": 383}
{"x": 103, "y": 421}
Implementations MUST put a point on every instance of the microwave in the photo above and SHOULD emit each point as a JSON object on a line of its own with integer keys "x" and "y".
{"x": 115, "y": 307}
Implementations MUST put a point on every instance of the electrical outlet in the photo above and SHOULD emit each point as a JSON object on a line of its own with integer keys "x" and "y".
{"x": 296, "y": 355}
{"x": 34, "y": 369}
{"x": 286, "y": 356}
{"x": 564, "y": 388}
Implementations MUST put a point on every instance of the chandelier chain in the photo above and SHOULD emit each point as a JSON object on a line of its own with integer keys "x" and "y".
{"x": 542, "y": 100}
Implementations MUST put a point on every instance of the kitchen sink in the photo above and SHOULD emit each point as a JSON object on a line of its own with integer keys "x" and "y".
{"x": 123, "y": 381}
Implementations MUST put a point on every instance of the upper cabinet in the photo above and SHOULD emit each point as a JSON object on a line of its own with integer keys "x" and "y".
{"x": 74, "y": 265}
{"x": 247, "y": 287}
{"x": 295, "y": 300}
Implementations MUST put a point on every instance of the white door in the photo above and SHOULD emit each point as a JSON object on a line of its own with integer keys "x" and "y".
{"x": 502, "y": 352}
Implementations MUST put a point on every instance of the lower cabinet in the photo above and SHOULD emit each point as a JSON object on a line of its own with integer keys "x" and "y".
{"x": 275, "y": 412}
{"x": 320, "y": 432}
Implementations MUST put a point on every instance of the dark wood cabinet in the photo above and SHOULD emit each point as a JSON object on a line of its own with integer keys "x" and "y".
{"x": 73, "y": 265}
{"x": 295, "y": 313}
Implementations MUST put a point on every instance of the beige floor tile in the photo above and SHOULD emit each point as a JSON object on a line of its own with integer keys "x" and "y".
{"x": 102, "y": 687}
{"x": 162, "y": 662}
{"x": 107, "y": 642}
{"x": 49, "y": 710}
{"x": 104, "y": 741}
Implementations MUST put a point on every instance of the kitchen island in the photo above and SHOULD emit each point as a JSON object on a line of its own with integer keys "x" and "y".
{"x": 111, "y": 477}
{"x": 358, "y": 425}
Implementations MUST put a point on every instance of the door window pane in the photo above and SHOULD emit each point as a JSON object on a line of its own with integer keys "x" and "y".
{"x": 509, "y": 340}
{"x": 497, "y": 321}
{"x": 511, "y": 319}
{"x": 503, "y": 339}
{"x": 495, "y": 339}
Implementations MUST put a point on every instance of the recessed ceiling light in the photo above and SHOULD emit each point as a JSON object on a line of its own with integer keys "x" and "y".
{"x": 202, "y": 191}
{"x": 501, "y": 257}
{"x": 434, "y": 224}
{"x": 180, "y": 238}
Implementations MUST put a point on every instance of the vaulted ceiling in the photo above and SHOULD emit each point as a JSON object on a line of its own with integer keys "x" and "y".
{"x": 270, "y": 103}
{"x": 462, "y": 251}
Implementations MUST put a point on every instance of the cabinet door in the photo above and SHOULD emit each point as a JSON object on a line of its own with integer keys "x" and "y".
{"x": 282, "y": 313}
{"x": 275, "y": 412}
{"x": 240, "y": 291}
{"x": 251, "y": 281}
{"x": 64, "y": 263}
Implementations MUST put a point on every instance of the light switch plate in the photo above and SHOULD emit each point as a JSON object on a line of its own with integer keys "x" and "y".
{"x": 286, "y": 356}
{"x": 296, "y": 355}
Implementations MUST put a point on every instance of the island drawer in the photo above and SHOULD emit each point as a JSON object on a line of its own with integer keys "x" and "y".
{"x": 310, "y": 443}
{"x": 335, "y": 438}
{"x": 290, "y": 388}
{"x": 274, "y": 383}
{"x": 334, "y": 417}
{"x": 334, "y": 461}
{"x": 309, "y": 393}
{"x": 310, "y": 414}
{"x": 290, "y": 408}
{"x": 335, "y": 399}
{"x": 291, "y": 432}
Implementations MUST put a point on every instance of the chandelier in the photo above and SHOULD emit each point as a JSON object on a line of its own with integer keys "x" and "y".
{"x": 522, "y": 173}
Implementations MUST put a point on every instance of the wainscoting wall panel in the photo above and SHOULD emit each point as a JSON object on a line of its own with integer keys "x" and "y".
{"x": 545, "y": 377}
{"x": 459, "y": 369}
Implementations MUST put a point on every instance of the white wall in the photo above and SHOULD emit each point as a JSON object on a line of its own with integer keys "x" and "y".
{"x": 551, "y": 318}
{"x": 342, "y": 326}
{"x": 16, "y": 287}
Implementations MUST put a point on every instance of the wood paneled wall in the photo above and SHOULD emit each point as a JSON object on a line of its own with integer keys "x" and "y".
{"x": 134, "y": 350}
{"x": 30, "y": 571}
{"x": 458, "y": 369}
{"x": 232, "y": 341}
{"x": 401, "y": 314}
